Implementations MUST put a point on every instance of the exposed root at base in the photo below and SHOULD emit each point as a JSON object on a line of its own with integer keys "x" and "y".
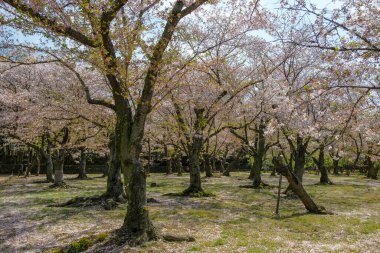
{"x": 194, "y": 194}
{"x": 106, "y": 203}
{"x": 321, "y": 210}
{"x": 176, "y": 238}
{"x": 260, "y": 186}
{"x": 152, "y": 200}
{"x": 62, "y": 185}
{"x": 324, "y": 183}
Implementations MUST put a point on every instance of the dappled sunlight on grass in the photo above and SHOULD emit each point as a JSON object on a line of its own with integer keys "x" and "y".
{"x": 234, "y": 220}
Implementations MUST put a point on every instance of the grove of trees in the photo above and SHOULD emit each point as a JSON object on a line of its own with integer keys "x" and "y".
{"x": 207, "y": 85}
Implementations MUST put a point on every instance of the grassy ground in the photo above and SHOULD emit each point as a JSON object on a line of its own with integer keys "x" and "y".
{"x": 234, "y": 220}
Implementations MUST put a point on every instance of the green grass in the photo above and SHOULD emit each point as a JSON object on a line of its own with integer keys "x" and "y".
{"x": 233, "y": 219}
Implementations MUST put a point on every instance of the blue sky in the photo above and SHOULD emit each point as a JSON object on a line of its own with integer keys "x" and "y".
{"x": 270, "y": 4}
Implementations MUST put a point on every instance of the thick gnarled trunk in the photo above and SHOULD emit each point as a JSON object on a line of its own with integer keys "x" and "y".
{"x": 114, "y": 184}
{"x": 195, "y": 151}
{"x": 195, "y": 172}
{"x": 137, "y": 226}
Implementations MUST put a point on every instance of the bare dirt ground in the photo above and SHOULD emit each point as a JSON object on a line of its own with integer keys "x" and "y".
{"x": 234, "y": 220}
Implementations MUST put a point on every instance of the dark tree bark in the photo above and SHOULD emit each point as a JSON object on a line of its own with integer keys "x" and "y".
{"x": 82, "y": 164}
{"x": 259, "y": 151}
{"x": 38, "y": 163}
{"x": 208, "y": 167}
{"x": 114, "y": 188}
{"x": 336, "y": 165}
{"x": 49, "y": 164}
{"x": 195, "y": 150}
{"x": 149, "y": 157}
{"x": 59, "y": 162}
{"x": 29, "y": 163}
{"x": 178, "y": 162}
{"x": 47, "y": 155}
{"x": 168, "y": 160}
{"x": 300, "y": 158}
{"x": 324, "y": 179}
{"x": 371, "y": 169}
{"x": 297, "y": 187}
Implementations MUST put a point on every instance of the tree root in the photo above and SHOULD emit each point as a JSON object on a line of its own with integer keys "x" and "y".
{"x": 177, "y": 238}
{"x": 192, "y": 194}
{"x": 324, "y": 183}
{"x": 152, "y": 200}
{"x": 321, "y": 210}
{"x": 262, "y": 185}
{"x": 106, "y": 203}
{"x": 61, "y": 185}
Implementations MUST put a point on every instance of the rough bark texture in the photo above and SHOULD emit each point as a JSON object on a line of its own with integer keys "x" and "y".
{"x": 371, "y": 169}
{"x": 168, "y": 161}
{"x": 300, "y": 158}
{"x": 233, "y": 164}
{"x": 59, "y": 162}
{"x": 114, "y": 184}
{"x": 258, "y": 155}
{"x": 208, "y": 167}
{"x": 324, "y": 179}
{"x": 178, "y": 163}
{"x": 137, "y": 227}
{"x": 297, "y": 187}
{"x": 82, "y": 166}
{"x": 38, "y": 163}
{"x": 336, "y": 166}
{"x": 195, "y": 150}
{"x": 49, "y": 163}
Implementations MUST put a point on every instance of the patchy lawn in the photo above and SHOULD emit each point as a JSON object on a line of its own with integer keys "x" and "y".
{"x": 234, "y": 220}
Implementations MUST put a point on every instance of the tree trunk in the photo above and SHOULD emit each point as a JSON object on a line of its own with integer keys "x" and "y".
{"x": 208, "y": 167}
{"x": 197, "y": 142}
{"x": 38, "y": 163}
{"x": 178, "y": 163}
{"x": 371, "y": 169}
{"x": 49, "y": 163}
{"x": 58, "y": 168}
{"x": 300, "y": 158}
{"x": 137, "y": 227}
{"x": 114, "y": 184}
{"x": 213, "y": 164}
{"x": 257, "y": 182}
{"x": 259, "y": 154}
{"x": 195, "y": 173}
{"x": 297, "y": 187}
{"x": 273, "y": 173}
{"x": 168, "y": 161}
{"x": 82, "y": 166}
{"x": 336, "y": 165}
{"x": 232, "y": 165}
{"x": 321, "y": 165}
